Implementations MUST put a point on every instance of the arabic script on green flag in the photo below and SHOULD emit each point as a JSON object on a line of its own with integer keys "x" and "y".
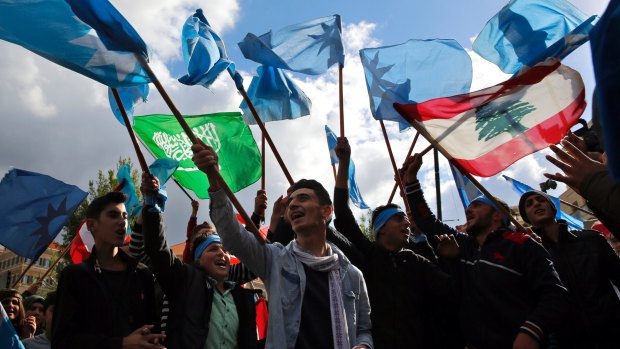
{"x": 239, "y": 158}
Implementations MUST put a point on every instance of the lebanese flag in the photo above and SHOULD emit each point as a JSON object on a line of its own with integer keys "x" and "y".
{"x": 82, "y": 244}
{"x": 486, "y": 131}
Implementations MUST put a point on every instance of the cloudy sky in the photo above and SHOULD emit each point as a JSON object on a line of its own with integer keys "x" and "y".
{"x": 59, "y": 123}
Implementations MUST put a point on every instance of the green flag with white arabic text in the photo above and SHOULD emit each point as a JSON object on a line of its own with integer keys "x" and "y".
{"x": 239, "y": 158}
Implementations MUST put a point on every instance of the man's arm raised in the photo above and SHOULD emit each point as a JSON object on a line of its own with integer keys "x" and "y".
{"x": 235, "y": 238}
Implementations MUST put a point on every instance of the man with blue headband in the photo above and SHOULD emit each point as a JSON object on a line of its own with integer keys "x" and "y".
{"x": 407, "y": 292}
{"x": 317, "y": 297}
{"x": 206, "y": 310}
{"x": 510, "y": 293}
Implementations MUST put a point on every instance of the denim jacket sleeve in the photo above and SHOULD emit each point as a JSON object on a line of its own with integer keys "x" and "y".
{"x": 235, "y": 238}
{"x": 364, "y": 335}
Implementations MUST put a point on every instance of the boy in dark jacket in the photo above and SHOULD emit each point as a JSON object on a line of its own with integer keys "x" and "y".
{"x": 587, "y": 266}
{"x": 108, "y": 300}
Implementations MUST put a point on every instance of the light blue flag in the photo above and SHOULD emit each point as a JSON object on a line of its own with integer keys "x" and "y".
{"x": 204, "y": 52}
{"x": 8, "y": 337}
{"x": 467, "y": 190}
{"x": 523, "y": 29}
{"x": 275, "y": 97}
{"x": 111, "y": 27}
{"x": 415, "y": 71}
{"x": 132, "y": 205}
{"x": 522, "y": 188}
{"x": 309, "y": 48}
{"x": 33, "y": 210}
{"x": 130, "y": 96}
{"x": 163, "y": 170}
{"x": 53, "y": 30}
{"x": 354, "y": 191}
{"x": 569, "y": 43}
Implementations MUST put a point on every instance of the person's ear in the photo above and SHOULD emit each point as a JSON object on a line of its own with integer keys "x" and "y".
{"x": 326, "y": 211}
{"x": 90, "y": 224}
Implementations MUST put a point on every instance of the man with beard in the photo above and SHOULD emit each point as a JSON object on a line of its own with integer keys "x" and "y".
{"x": 510, "y": 293}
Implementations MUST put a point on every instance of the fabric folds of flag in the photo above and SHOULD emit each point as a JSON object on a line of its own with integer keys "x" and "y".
{"x": 33, "y": 210}
{"x": 522, "y": 188}
{"x": 605, "y": 57}
{"x": 488, "y": 130}
{"x": 275, "y": 97}
{"x": 8, "y": 336}
{"x": 125, "y": 183}
{"x": 467, "y": 190}
{"x": 414, "y": 72}
{"x": 309, "y": 48}
{"x": 53, "y": 30}
{"x": 230, "y": 137}
{"x": 130, "y": 96}
{"x": 523, "y": 29}
{"x": 82, "y": 244}
{"x": 204, "y": 52}
{"x": 354, "y": 191}
{"x": 163, "y": 169}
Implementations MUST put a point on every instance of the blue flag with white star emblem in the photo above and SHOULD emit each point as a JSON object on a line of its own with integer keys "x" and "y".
{"x": 55, "y": 30}
{"x": 33, "y": 210}
{"x": 204, "y": 52}
{"x": 275, "y": 97}
{"x": 415, "y": 71}
{"x": 309, "y": 48}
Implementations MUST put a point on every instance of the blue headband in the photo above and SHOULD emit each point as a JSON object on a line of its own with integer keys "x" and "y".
{"x": 383, "y": 217}
{"x": 485, "y": 200}
{"x": 203, "y": 245}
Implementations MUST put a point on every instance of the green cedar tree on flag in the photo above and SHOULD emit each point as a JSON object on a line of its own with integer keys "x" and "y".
{"x": 488, "y": 130}
{"x": 239, "y": 158}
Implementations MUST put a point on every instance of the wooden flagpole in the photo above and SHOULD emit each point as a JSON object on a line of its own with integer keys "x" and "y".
{"x": 261, "y": 125}
{"x": 132, "y": 135}
{"x": 436, "y": 145}
{"x": 341, "y": 100}
{"x": 415, "y": 140}
{"x": 64, "y": 252}
{"x": 213, "y": 172}
{"x": 396, "y": 174}
{"x": 437, "y": 185}
{"x": 263, "y": 155}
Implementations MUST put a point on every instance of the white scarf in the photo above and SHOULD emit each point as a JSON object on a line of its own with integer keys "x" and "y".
{"x": 331, "y": 264}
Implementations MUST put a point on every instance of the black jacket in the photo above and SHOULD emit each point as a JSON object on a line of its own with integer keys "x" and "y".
{"x": 587, "y": 266}
{"x": 83, "y": 315}
{"x": 404, "y": 288}
{"x": 508, "y": 285}
{"x": 190, "y": 294}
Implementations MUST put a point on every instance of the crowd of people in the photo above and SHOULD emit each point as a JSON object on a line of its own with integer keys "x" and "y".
{"x": 415, "y": 283}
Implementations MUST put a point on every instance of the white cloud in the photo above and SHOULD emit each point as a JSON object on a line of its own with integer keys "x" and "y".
{"x": 159, "y": 23}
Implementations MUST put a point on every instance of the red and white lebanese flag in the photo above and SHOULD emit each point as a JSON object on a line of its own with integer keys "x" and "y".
{"x": 82, "y": 244}
{"x": 488, "y": 130}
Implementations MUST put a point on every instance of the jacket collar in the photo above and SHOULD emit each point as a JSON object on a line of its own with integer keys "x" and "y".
{"x": 342, "y": 259}
{"x": 131, "y": 262}
{"x": 565, "y": 233}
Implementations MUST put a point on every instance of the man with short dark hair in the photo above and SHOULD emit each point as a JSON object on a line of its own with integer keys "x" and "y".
{"x": 108, "y": 300}
{"x": 43, "y": 340}
{"x": 511, "y": 296}
{"x": 317, "y": 298}
{"x": 587, "y": 266}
